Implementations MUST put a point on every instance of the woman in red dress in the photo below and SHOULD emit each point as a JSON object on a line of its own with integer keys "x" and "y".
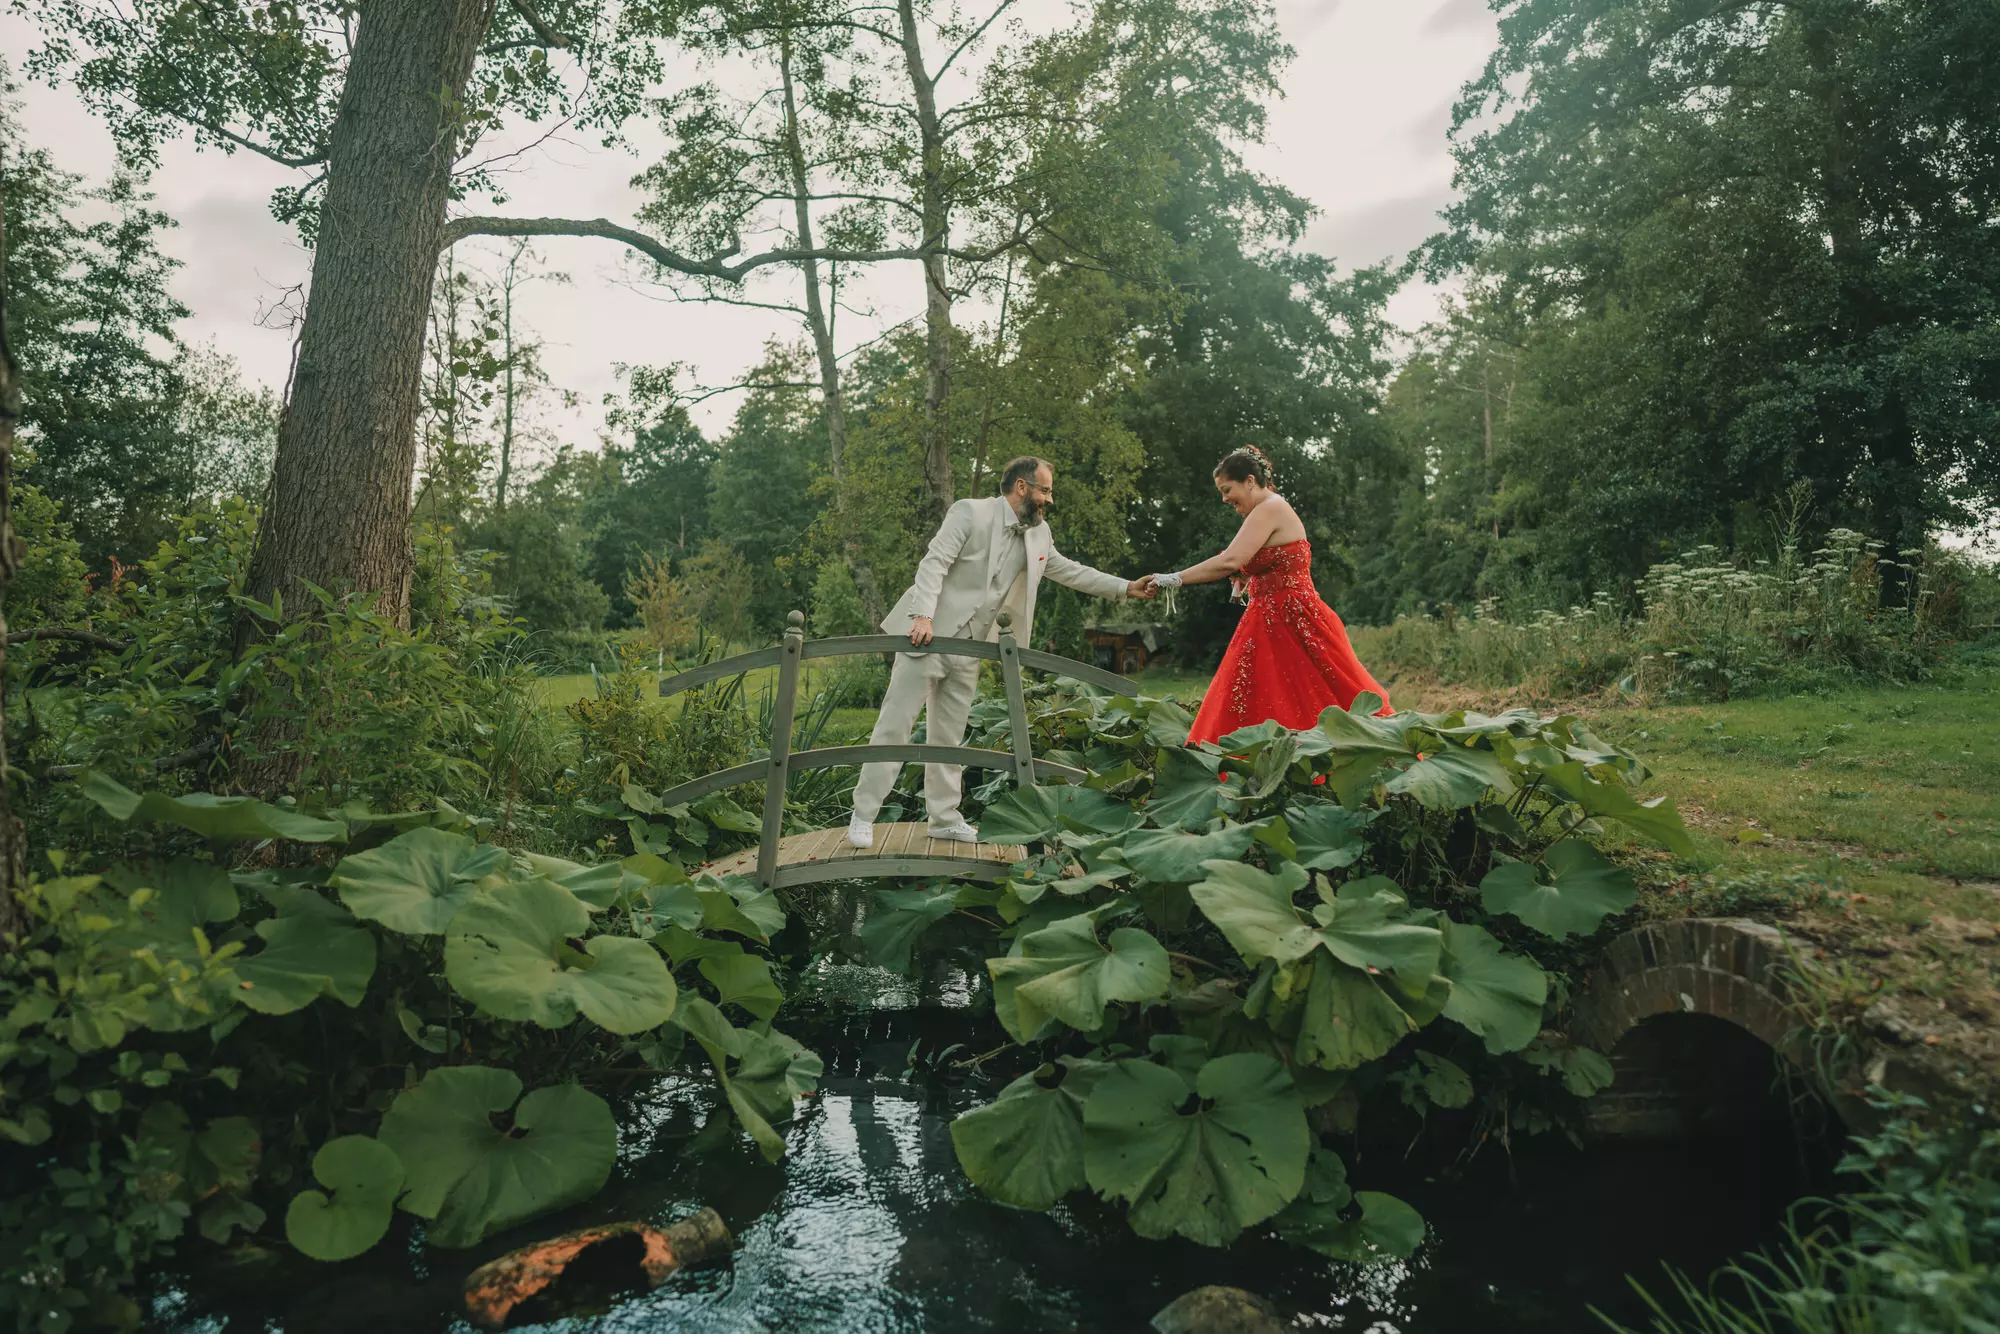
{"x": 1289, "y": 659}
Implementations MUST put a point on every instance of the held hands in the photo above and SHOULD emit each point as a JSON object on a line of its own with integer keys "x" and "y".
{"x": 1142, "y": 588}
{"x": 920, "y": 630}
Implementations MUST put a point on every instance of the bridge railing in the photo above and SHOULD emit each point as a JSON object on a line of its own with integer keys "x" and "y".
{"x": 791, "y": 654}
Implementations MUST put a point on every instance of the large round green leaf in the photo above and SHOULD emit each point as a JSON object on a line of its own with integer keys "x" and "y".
{"x": 1254, "y": 909}
{"x": 222, "y": 819}
{"x": 509, "y": 953}
{"x": 1327, "y": 836}
{"x": 305, "y": 957}
{"x": 1656, "y": 819}
{"x": 1188, "y": 793}
{"x": 363, "y": 1176}
{"x": 897, "y": 918}
{"x": 761, "y": 1074}
{"x": 417, "y": 882}
{"x": 1349, "y": 1018}
{"x": 1452, "y": 779}
{"x": 471, "y": 1178}
{"x": 1583, "y": 890}
{"x": 1039, "y": 814}
{"x": 1204, "y": 1161}
{"x": 1174, "y": 857}
{"x": 1367, "y": 925}
{"x": 1495, "y": 994}
{"x": 1385, "y": 1228}
{"x": 1025, "y": 1148}
{"x": 1063, "y": 973}
{"x": 736, "y": 903}
{"x": 743, "y": 980}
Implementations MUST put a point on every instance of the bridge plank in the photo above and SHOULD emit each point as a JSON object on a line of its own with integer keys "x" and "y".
{"x": 902, "y": 849}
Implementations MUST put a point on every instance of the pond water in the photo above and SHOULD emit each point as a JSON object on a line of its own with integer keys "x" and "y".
{"x": 869, "y": 1226}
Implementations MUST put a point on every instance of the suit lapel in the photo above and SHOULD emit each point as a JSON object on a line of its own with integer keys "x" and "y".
{"x": 996, "y": 536}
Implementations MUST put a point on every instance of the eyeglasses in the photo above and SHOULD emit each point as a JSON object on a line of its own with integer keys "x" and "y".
{"x": 1044, "y": 490}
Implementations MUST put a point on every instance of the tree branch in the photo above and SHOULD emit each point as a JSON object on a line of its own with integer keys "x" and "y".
{"x": 318, "y": 157}
{"x": 716, "y": 266}
{"x": 547, "y": 36}
{"x": 89, "y": 638}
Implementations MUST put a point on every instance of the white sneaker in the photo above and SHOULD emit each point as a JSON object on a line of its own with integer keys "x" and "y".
{"x": 860, "y": 833}
{"x": 962, "y": 832}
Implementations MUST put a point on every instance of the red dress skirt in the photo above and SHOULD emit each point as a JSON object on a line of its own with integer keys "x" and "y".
{"x": 1289, "y": 658}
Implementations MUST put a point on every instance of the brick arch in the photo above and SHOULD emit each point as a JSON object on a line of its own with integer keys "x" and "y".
{"x": 1727, "y": 969}
{"x": 1724, "y": 967}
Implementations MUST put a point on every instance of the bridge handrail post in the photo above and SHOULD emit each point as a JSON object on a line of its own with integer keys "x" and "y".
{"x": 791, "y": 656}
{"x": 1017, "y": 703}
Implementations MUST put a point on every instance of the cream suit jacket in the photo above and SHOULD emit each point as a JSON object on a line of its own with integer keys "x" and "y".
{"x": 954, "y": 580}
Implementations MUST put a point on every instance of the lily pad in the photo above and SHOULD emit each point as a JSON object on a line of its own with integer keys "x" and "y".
{"x": 362, "y": 1177}
{"x": 471, "y": 1178}
{"x": 1205, "y": 1159}
{"x": 509, "y": 953}
{"x": 417, "y": 882}
{"x": 1584, "y": 888}
{"x": 1495, "y": 994}
{"x": 1063, "y": 973}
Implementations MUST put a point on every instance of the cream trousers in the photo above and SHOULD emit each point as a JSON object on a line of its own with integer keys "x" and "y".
{"x": 942, "y": 688}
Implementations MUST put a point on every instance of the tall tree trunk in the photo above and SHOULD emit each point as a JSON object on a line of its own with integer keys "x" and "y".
{"x": 999, "y": 351}
{"x": 507, "y": 410}
{"x": 820, "y": 324}
{"x": 340, "y": 489}
{"x": 13, "y": 849}
{"x": 938, "y": 486}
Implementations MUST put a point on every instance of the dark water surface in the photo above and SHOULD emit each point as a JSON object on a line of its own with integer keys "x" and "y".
{"x": 869, "y": 1226}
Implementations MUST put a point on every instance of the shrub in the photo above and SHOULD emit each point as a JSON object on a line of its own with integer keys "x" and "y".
{"x": 1710, "y": 627}
{"x": 1213, "y": 942}
{"x": 188, "y": 1051}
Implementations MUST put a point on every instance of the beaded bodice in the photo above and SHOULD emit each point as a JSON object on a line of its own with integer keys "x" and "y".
{"x": 1285, "y": 568}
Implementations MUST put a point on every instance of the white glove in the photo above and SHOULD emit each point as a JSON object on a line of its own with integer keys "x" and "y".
{"x": 1166, "y": 581}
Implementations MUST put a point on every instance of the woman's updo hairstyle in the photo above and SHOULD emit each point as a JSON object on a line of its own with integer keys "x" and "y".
{"x": 1247, "y": 463}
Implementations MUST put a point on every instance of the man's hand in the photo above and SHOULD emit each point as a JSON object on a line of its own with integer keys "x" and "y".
{"x": 1141, "y": 588}
{"x": 920, "y": 630}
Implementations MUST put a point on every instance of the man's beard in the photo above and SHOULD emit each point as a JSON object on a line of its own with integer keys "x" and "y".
{"x": 1029, "y": 511}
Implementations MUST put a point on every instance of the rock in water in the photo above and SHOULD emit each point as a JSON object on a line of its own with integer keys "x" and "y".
{"x": 639, "y": 1255}
{"x": 1218, "y": 1311}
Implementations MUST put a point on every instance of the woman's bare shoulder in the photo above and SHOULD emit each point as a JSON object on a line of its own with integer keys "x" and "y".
{"x": 1285, "y": 523}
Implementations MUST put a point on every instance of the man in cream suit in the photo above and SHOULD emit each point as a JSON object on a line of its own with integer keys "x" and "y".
{"x": 988, "y": 557}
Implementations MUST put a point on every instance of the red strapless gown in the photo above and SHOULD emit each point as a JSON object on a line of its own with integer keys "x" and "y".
{"x": 1289, "y": 658}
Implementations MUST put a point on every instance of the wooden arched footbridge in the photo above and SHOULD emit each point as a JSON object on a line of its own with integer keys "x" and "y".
{"x": 900, "y": 850}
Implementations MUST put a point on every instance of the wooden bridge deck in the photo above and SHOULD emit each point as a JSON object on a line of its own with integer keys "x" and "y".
{"x": 900, "y": 850}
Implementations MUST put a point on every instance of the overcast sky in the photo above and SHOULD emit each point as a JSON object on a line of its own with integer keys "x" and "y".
{"x": 1360, "y": 132}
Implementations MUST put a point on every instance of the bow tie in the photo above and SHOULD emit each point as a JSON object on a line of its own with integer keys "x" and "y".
{"x": 1014, "y": 525}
